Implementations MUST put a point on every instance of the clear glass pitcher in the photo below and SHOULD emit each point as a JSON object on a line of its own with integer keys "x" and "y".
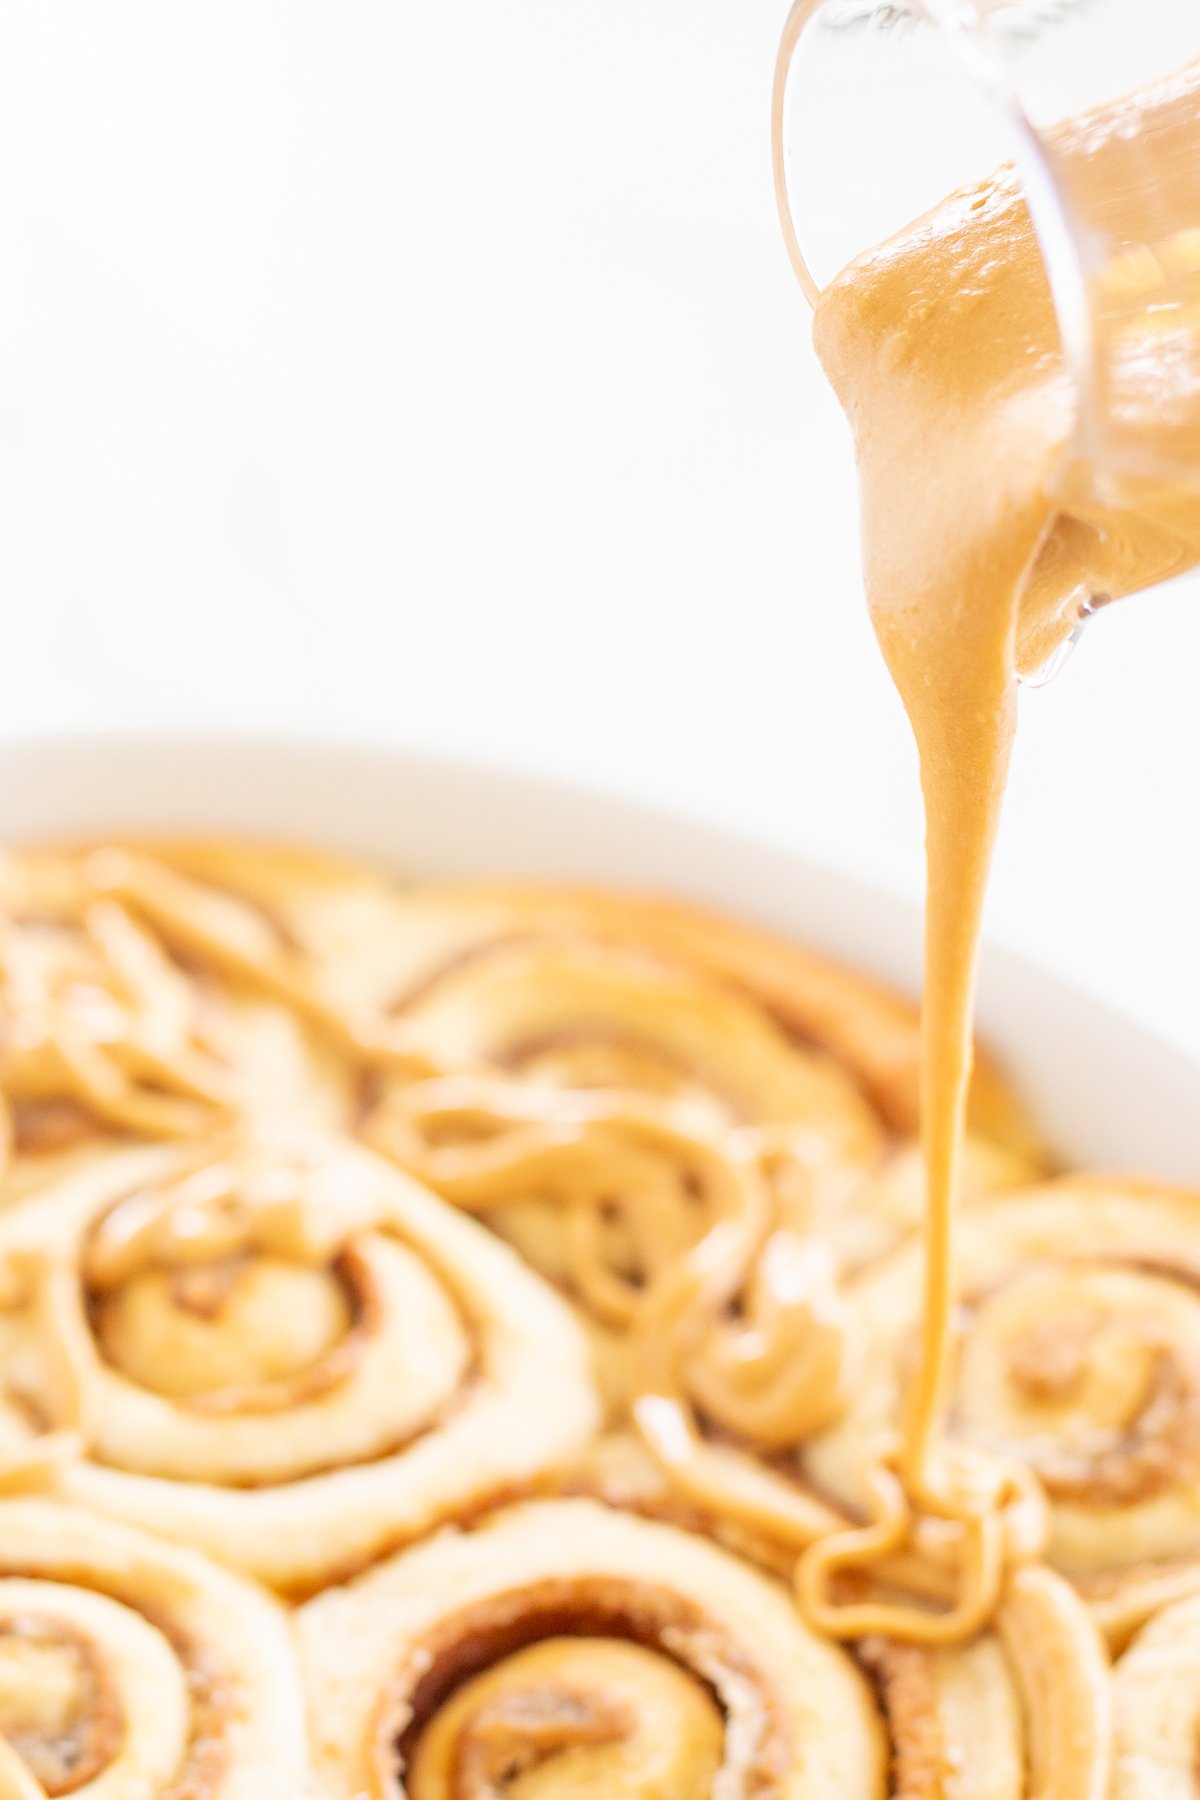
{"x": 883, "y": 107}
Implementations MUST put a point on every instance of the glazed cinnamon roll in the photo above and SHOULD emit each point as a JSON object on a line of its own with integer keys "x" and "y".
{"x": 606, "y": 1081}
{"x": 1077, "y": 1359}
{"x": 110, "y": 1030}
{"x": 561, "y": 1647}
{"x": 281, "y": 1350}
{"x": 569, "y": 988}
{"x": 305, "y": 930}
{"x": 517, "y": 1026}
{"x": 130, "y": 1667}
{"x": 562, "y": 1644}
{"x": 701, "y": 1252}
{"x": 489, "y": 930}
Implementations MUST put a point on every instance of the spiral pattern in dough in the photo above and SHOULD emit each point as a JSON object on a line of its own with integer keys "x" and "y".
{"x": 130, "y": 1667}
{"x": 837, "y": 1013}
{"x": 288, "y": 1354}
{"x": 560, "y": 1643}
{"x": 1078, "y": 1358}
{"x": 518, "y": 1026}
{"x": 1020, "y": 1712}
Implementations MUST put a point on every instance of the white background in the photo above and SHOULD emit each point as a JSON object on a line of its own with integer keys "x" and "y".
{"x": 432, "y": 369}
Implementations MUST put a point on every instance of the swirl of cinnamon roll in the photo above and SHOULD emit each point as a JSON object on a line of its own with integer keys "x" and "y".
{"x": 1077, "y": 1359}
{"x": 700, "y": 1250}
{"x": 843, "y": 1018}
{"x": 559, "y": 1647}
{"x": 582, "y": 1015}
{"x": 525, "y": 1000}
{"x": 606, "y": 1193}
{"x": 285, "y": 1352}
{"x": 734, "y": 1345}
{"x": 130, "y": 1667}
{"x": 108, "y": 1030}
{"x": 1019, "y": 1712}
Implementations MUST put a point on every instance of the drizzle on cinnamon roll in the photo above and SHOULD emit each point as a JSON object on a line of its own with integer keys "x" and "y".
{"x": 630, "y": 1104}
{"x": 557, "y": 988}
{"x": 110, "y": 1029}
{"x": 1076, "y": 1357}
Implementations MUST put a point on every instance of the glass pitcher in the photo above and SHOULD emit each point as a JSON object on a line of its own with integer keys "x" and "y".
{"x": 883, "y": 107}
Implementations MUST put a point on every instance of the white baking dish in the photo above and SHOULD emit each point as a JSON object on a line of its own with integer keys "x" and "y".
{"x": 1108, "y": 1092}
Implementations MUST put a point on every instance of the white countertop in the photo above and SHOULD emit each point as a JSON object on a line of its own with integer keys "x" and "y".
{"x": 435, "y": 372}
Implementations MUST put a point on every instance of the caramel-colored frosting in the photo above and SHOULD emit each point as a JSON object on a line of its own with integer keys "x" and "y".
{"x": 982, "y": 527}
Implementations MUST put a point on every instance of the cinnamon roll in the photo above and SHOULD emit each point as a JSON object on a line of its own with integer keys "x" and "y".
{"x": 281, "y": 1350}
{"x": 572, "y": 988}
{"x": 130, "y": 1667}
{"x": 111, "y": 1030}
{"x": 560, "y": 1643}
{"x": 1077, "y": 1359}
{"x": 305, "y": 930}
{"x": 561, "y": 1647}
{"x": 701, "y": 1252}
{"x": 491, "y": 931}
{"x": 609, "y": 1071}
{"x": 518, "y": 1027}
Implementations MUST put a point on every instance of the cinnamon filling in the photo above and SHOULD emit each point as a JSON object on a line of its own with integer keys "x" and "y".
{"x": 58, "y": 1711}
{"x": 493, "y": 1645}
